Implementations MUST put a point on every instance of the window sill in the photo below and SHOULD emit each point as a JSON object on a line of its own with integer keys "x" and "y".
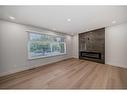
{"x": 40, "y": 57}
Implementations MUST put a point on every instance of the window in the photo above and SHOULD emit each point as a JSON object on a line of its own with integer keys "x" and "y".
{"x": 43, "y": 45}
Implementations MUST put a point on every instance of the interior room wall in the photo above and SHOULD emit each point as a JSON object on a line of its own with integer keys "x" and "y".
{"x": 75, "y": 41}
{"x": 115, "y": 45}
{"x": 13, "y": 48}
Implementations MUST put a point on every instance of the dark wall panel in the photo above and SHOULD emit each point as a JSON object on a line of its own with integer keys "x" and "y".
{"x": 92, "y": 43}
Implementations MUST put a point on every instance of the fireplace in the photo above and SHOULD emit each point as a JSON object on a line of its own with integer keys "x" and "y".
{"x": 92, "y": 45}
{"x": 95, "y": 55}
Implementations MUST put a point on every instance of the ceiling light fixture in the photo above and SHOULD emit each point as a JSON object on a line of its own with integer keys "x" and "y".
{"x": 11, "y": 17}
{"x": 68, "y": 19}
{"x": 114, "y": 22}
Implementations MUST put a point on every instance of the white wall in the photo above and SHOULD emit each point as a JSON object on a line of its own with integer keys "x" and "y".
{"x": 13, "y": 48}
{"x": 75, "y": 46}
{"x": 116, "y": 45}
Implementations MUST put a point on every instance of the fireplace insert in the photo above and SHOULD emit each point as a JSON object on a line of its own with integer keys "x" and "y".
{"x": 94, "y": 55}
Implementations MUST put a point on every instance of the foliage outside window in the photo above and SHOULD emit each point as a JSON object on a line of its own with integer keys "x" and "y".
{"x": 43, "y": 45}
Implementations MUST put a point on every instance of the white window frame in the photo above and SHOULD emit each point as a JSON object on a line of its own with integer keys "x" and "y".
{"x": 28, "y": 46}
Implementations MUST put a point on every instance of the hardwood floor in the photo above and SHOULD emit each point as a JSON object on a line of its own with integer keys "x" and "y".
{"x": 68, "y": 74}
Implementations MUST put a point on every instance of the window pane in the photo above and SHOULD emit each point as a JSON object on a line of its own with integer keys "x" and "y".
{"x": 58, "y": 48}
{"x": 38, "y": 48}
{"x": 55, "y": 48}
{"x": 58, "y": 39}
{"x": 45, "y": 45}
{"x": 62, "y": 50}
{"x": 34, "y": 36}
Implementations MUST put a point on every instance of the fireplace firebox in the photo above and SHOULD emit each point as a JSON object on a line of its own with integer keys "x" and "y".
{"x": 95, "y": 55}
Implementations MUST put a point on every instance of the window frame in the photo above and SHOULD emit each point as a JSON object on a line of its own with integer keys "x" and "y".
{"x": 36, "y": 57}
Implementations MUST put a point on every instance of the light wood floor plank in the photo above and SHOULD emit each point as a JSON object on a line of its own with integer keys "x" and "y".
{"x": 68, "y": 74}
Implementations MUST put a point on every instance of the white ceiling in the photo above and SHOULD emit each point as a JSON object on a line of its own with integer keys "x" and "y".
{"x": 83, "y": 18}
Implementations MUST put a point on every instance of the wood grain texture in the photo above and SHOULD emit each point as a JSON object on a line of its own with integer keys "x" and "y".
{"x": 68, "y": 74}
